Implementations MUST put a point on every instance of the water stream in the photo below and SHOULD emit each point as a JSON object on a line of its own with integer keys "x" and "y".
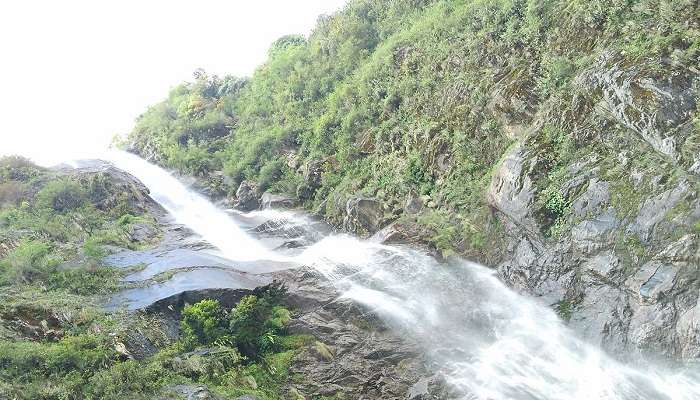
{"x": 489, "y": 342}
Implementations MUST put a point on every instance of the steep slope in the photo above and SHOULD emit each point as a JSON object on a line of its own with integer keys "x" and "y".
{"x": 557, "y": 140}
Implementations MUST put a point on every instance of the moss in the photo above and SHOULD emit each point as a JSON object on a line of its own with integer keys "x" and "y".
{"x": 564, "y": 309}
{"x": 324, "y": 351}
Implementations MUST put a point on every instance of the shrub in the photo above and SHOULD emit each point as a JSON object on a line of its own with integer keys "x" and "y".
{"x": 270, "y": 173}
{"x": 28, "y": 262}
{"x": 61, "y": 195}
{"x": 18, "y": 168}
{"x": 202, "y": 324}
{"x": 12, "y": 193}
{"x": 126, "y": 380}
{"x": 257, "y": 321}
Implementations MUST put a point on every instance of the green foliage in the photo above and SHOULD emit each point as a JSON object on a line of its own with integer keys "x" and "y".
{"x": 12, "y": 193}
{"x": 28, "y": 262}
{"x": 51, "y": 275}
{"x": 253, "y": 326}
{"x": 18, "y": 169}
{"x": 564, "y": 309}
{"x": 203, "y": 324}
{"x": 425, "y": 97}
{"x": 61, "y": 196}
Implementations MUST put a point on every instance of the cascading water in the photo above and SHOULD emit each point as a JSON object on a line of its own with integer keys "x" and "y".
{"x": 489, "y": 342}
{"x": 191, "y": 209}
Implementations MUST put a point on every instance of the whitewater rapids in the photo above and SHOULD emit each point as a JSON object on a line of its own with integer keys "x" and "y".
{"x": 489, "y": 342}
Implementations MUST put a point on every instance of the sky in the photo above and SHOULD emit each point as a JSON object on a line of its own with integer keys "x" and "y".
{"x": 75, "y": 73}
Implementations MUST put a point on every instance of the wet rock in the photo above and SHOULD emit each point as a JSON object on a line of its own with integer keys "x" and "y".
{"x": 188, "y": 287}
{"x": 271, "y": 200}
{"x": 190, "y": 392}
{"x": 650, "y": 106}
{"x": 413, "y": 204}
{"x": 353, "y": 354}
{"x": 429, "y": 388}
{"x": 142, "y": 232}
{"x": 363, "y": 215}
{"x": 247, "y": 196}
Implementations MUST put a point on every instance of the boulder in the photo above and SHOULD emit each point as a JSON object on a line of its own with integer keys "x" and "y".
{"x": 413, "y": 204}
{"x": 272, "y": 200}
{"x": 247, "y": 196}
{"x": 363, "y": 215}
{"x": 312, "y": 172}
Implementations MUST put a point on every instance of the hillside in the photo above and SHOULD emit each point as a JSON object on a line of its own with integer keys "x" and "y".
{"x": 557, "y": 141}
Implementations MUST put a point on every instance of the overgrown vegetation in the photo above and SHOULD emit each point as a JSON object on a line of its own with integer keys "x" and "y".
{"x": 57, "y": 343}
{"x": 389, "y": 98}
{"x": 51, "y": 277}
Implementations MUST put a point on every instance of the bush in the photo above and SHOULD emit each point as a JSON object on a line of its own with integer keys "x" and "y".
{"x": 12, "y": 193}
{"x": 126, "y": 380}
{"x": 203, "y": 324}
{"x": 28, "y": 262}
{"x": 270, "y": 173}
{"x": 253, "y": 326}
{"x": 61, "y": 196}
{"x": 257, "y": 321}
{"x": 17, "y": 168}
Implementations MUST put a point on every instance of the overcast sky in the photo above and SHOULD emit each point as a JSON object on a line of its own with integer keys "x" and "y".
{"x": 74, "y": 73}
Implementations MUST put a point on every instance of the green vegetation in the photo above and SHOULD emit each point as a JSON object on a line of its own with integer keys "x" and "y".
{"x": 56, "y": 343}
{"x": 252, "y": 327}
{"x": 51, "y": 278}
{"x": 423, "y": 96}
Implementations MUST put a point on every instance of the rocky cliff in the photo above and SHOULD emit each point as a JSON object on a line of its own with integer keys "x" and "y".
{"x": 556, "y": 141}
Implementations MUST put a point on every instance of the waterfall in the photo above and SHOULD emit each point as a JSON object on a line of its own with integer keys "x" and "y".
{"x": 191, "y": 209}
{"x": 489, "y": 342}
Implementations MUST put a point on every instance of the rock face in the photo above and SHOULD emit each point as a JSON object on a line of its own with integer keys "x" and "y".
{"x": 247, "y": 196}
{"x": 363, "y": 215}
{"x": 272, "y": 200}
{"x": 355, "y": 355}
{"x": 618, "y": 274}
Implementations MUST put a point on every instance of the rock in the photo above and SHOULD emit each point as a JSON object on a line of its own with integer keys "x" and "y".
{"x": 191, "y": 392}
{"x": 363, "y": 215}
{"x": 142, "y": 232}
{"x": 311, "y": 173}
{"x": 354, "y": 354}
{"x": 121, "y": 349}
{"x": 653, "y": 108}
{"x": 512, "y": 191}
{"x": 271, "y": 200}
{"x": 247, "y": 197}
{"x": 413, "y": 204}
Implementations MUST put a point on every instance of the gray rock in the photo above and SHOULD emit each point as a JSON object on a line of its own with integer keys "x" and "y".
{"x": 247, "y": 196}
{"x": 363, "y": 215}
{"x": 271, "y": 200}
{"x": 413, "y": 204}
{"x": 511, "y": 190}
{"x": 651, "y": 107}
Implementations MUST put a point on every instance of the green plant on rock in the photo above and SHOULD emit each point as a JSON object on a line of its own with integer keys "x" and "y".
{"x": 203, "y": 324}
{"x": 28, "y": 262}
{"x": 61, "y": 196}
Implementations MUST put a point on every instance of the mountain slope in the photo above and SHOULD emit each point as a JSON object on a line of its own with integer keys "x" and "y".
{"x": 557, "y": 140}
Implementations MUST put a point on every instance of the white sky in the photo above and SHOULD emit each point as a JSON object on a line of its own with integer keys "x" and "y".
{"x": 74, "y": 73}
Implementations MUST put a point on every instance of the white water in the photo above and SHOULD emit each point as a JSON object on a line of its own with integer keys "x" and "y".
{"x": 191, "y": 209}
{"x": 489, "y": 342}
